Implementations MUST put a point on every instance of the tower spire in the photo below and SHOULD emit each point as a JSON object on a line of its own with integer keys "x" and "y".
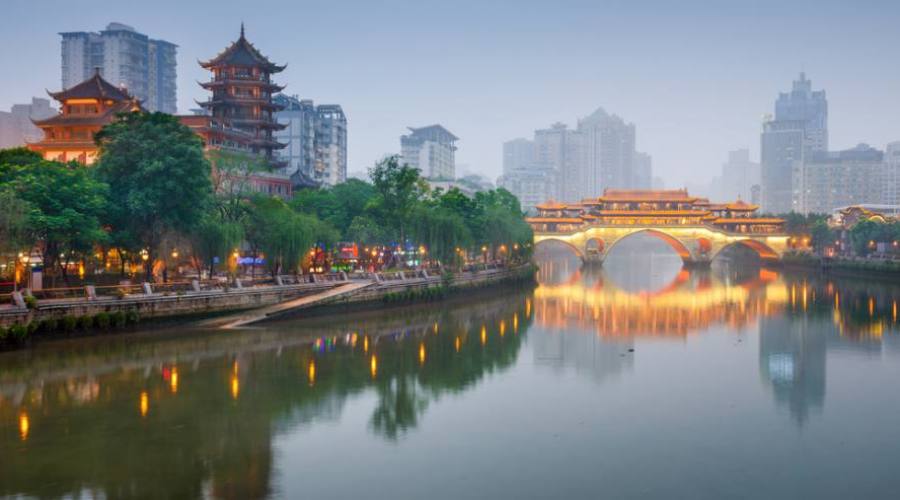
{"x": 242, "y": 29}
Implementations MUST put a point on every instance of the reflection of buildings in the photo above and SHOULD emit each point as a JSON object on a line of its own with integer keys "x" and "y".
{"x": 792, "y": 360}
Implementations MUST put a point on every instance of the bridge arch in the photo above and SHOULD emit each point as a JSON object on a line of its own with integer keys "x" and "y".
{"x": 765, "y": 252}
{"x": 545, "y": 241}
{"x": 680, "y": 248}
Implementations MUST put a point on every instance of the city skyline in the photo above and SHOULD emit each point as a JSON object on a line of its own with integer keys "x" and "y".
{"x": 692, "y": 100}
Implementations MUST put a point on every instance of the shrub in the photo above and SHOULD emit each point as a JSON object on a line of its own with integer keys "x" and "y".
{"x": 3, "y": 333}
{"x": 69, "y": 323}
{"x": 30, "y": 301}
{"x": 48, "y": 325}
{"x": 132, "y": 317}
{"x": 101, "y": 320}
{"x": 18, "y": 332}
{"x": 32, "y": 327}
{"x": 118, "y": 319}
{"x": 86, "y": 322}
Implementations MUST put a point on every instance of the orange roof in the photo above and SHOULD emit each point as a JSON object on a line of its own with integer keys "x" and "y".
{"x": 661, "y": 213}
{"x": 550, "y": 205}
{"x": 571, "y": 220}
{"x": 749, "y": 220}
{"x": 741, "y": 205}
{"x": 647, "y": 195}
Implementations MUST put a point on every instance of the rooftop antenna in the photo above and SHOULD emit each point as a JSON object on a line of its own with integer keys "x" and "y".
{"x": 242, "y": 29}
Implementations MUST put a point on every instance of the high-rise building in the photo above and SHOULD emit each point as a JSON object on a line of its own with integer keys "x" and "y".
{"x": 531, "y": 184}
{"x": 607, "y": 154}
{"x": 826, "y": 180}
{"x": 16, "y": 127}
{"x": 125, "y": 58}
{"x": 517, "y": 154}
{"x": 800, "y": 127}
{"x": 558, "y": 148}
{"x": 643, "y": 171}
{"x": 432, "y": 150}
{"x": 738, "y": 177}
{"x": 891, "y": 188}
{"x": 316, "y": 139}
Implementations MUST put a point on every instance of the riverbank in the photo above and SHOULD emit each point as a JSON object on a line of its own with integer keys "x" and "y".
{"x": 863, "y": 268}
{"x": 89, "y": 314}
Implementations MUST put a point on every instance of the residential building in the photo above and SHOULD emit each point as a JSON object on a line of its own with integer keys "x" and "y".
{"x": 826, "y": 180}
{"x": 558, "y": 148}
{"x": 891, "y": 194}
{"x": 432, "y": 150}
{"x": 799, "y": 127}
{"x": 84, "y": 109}
{"x": 16, "y": 127}
{"x": 607, "y": 154}
{"x": 517, "y": 154}
{"x": 316, "y": 141}
{"x": 125, "y": 58}
{"x": 643, "y": 171}
{"x": 737, "y": 178}
{"x": 531, "y": 184}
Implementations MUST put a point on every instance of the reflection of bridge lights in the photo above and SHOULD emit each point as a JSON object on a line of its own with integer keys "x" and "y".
{"x": 311, "y": 372}
{"x": 894, "y": 312}
{"x": 516, "y": 322}
{"x": 144, "y": 404}
{"x": 871, "y": 306}
{"x": 234, "y": 367}
{"x": 235, "y": 387}
{"x": 373, "y": 366}
{"x": 527, "y": 308}
{"x": 502, "y": 327}
{"x": 483, "y": 335}
{"x": 422, "y": 353}
{"x": 24, "y": 426}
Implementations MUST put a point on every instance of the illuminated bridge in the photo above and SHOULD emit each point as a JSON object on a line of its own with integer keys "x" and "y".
{"x": 695, "y": 228}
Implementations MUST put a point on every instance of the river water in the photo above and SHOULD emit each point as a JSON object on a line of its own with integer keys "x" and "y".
{"x": 640, "y": 380}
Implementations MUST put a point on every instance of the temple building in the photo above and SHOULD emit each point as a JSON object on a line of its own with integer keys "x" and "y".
{"x": 240, "y": 114}
{"x": 675, "y": 207}
{"x": 84, "y": 110}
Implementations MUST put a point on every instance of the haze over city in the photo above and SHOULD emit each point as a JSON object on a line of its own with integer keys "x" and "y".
{"x": 696, "y": 78}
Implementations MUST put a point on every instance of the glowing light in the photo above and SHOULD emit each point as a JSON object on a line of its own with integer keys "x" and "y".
{"x": 311, "y": 372}
{"x": 235, "y": 387}
{"x": 483, "y": 335}
{"x": 24, "y": 426}
{"x": 144, "y": 403}
{"x": 173, "y": 380}
{"x": 175, "y": 254}
{"x": 502, "y": 327}
{"x": 871, "y": 306}
{"x": 373, "y": 366}
{"x": 435, "y": 328}
{"x": 516, "y": 322}
{"x": 365, "y": 344}
{"x": 457, "y": 344}
{"x": 422, "y": 353}
{"x": 527, "y": 308}
{"x": 894, "y": 311}
{"x": 353, "y": 339}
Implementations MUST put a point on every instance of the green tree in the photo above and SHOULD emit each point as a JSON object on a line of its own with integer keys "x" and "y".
{"x": 15, "y": 234}
{"x": 214, "y": 237}
{"x": 398, "y": 190}
{"x": 159, "y": 179}
{"x": 862, "y": 234}
{"x": 66, "y": 203}
{"x": 822, "y": 235}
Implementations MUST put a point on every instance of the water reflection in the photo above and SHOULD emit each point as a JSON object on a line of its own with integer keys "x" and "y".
{"x": 180, "y": 413}
{"x": 200, "y": 411}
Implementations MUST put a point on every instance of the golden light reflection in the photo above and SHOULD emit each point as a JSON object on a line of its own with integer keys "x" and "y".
{"x": 516, "y": 322}
{"x": 365, "y": 344}
{"x": 311, "y": 372}
{"x": 422, "y": 353}
{"x": 144, "y": 403}
{"x": 435, "y": 328}
{"x": 173, "y": 380}
{"x": 483, "y": 335}
{"x": 235, "y": 387}
{"x": 353, "y": 340}
{"x": 457, "y": 344}
{"x": 502, "y": 327}
{"x": 24, "y": 426}
{"x": 373, "y": 366}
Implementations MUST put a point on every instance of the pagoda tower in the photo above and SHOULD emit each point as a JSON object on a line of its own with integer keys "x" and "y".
{"x": 241, "y": 109}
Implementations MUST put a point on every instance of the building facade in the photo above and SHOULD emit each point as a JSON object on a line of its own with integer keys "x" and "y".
{"x": 799, "y": 128}
{"x": 84, "y": 109}
{"x": 558, "y": 148}
{"x": 738, "y": 177}
{"x": 827, "y": 180}
{"x": 432, "y": 150}
{"x": 16, "y": 127}
{"x": 126, "y": 58}
{"x": 891, "y": 188}
{"x": 607, "y": 153}
{"x": 316, "y": 141}
{"x": 517, "y": 154}
{"x": 531, "y": 184}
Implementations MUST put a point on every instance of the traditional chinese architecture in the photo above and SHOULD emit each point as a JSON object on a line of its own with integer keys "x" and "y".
{"x": 240, "y": 113}
{"x": 84, "y": 110}
{"x": 696, "y": 228}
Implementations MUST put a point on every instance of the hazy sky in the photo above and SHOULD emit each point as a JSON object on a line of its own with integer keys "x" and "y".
{"x": 694, "y": 76}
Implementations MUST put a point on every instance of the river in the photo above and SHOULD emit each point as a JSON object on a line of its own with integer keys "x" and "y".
{"x": 638, "y": 380}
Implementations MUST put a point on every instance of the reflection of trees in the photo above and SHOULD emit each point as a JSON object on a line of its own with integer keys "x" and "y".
{"x": 210, "y": 432}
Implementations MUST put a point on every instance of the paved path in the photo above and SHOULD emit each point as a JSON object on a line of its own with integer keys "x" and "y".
{"x": 260, "y": 314}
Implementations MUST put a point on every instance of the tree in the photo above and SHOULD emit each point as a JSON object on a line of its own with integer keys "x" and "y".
{"x": 283, "y": 235}
{"x": 822, "y": 235}
{"x": 14, "y": 230}
{"x": 398, "y": 189}
{"x": 66, "y": 203}
{"x": 159, "y": 179}
{"x": 214, "y": 237}
{"x": 862, "y": 234}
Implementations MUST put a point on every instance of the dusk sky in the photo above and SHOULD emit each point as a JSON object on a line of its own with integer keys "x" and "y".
{"x": 695, "y": 77}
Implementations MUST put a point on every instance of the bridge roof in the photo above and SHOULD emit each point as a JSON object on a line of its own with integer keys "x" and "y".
{"x": 552, "y": 205}
{"x": 678, "y": 195}
{"x": 660, "y": 213}
{"x": 749, "y": 220}
{"x": 573, "y": 220}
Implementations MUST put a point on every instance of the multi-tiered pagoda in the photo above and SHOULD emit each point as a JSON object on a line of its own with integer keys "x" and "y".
{"x": 84, "y": 109}
{"x": 241, "y": 109}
